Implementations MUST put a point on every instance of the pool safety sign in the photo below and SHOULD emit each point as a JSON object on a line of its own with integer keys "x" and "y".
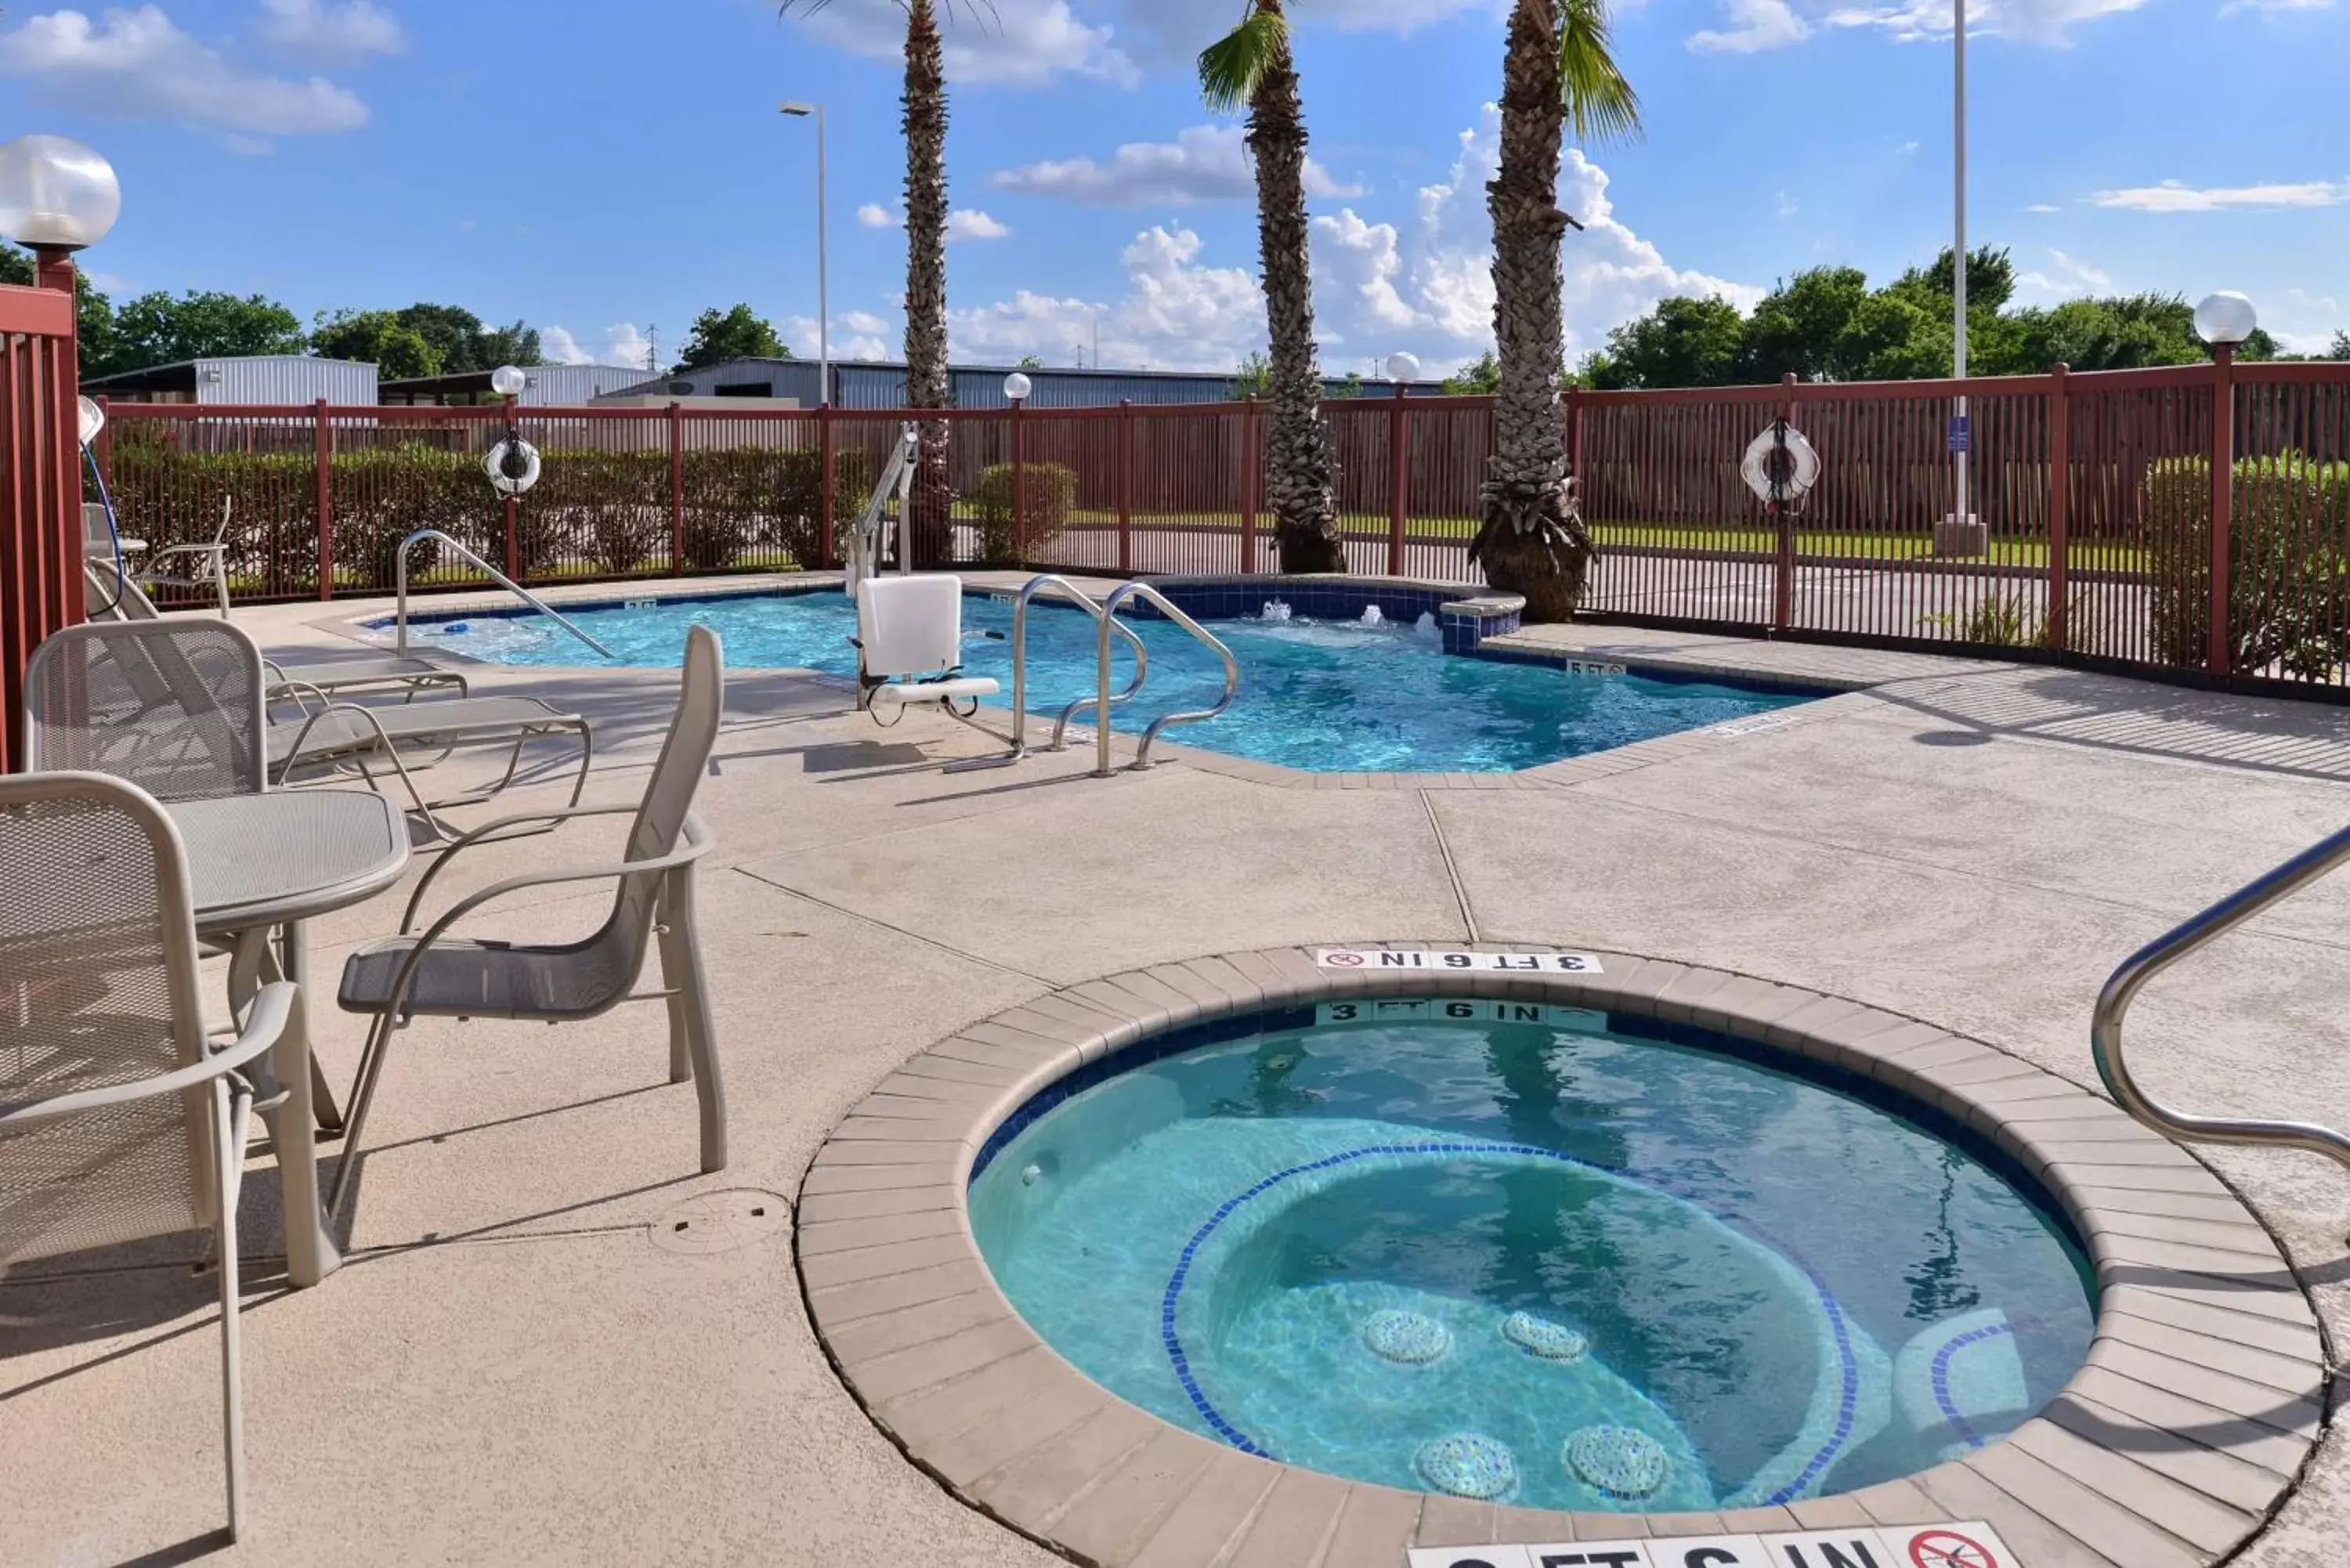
{"x": 1406, "y": 960}
{"x": 1972, "y": 1544}
{"x": 1459, "y": 1010}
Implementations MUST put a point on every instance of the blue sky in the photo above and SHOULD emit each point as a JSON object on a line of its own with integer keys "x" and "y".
{"x": 606, "y": 169}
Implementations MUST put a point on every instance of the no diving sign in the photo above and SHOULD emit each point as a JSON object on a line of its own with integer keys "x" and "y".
{"x": 1971, "y": 1544}
{"x": 1407, "y": 960}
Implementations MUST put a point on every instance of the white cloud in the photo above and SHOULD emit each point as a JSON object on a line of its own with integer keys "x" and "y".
{"x": 2042, "y": 208}
{"x": 1754, "y": 25}
{"x": 856, "y": 335}
{"x": 971, "y": 223}
{"x": 1177, "y": 314}
{"x": 2174, "y": 196}
{"x": 2271, "y": 7}
{"x": 1203, "y": 163}
{"x": 623, "y": 345}
{"x": 320, "y": 31}
{"x": 139, "y": 64}
{"x": 2035, "y": 21}
{"x": 1014, "y": 42}
{"x": 2304, "y": 322}
{"x": 2067, "y": 277}
{"x": 874, "y": 215}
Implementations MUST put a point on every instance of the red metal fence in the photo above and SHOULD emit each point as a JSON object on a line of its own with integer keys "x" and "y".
{"x": 2121, "y": 520}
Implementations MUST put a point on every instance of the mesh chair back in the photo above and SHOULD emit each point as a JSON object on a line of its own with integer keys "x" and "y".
{"x": 97, "y": 987}
{"x": 676, "y": 779}
{"x": 173, "y": 706}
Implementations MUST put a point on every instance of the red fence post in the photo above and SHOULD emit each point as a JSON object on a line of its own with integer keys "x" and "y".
{"x": 1125, "y": 484}
{"x": 1019, "y": 479}
{"x": 1251, "y": 463}
{"x": 824, "y": 456}
{"x": 2223, "y": 497}
{"x": 323, "y": 451}
{"x": 676, "y": 492}
{"x": 513, "y": 510}
{"x": 1783, "y": 598}
{"x": 2060, "y": 503}
{"x": 41, "y": 589}
{"x": 1574, "y": 396}
{"x": 1398, "y": 479}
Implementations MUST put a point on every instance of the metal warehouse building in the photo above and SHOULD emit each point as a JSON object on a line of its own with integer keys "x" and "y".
{"x": 544, "y": 386}
{"x": 253, "y": 378}
{"x": 881, "y": 384}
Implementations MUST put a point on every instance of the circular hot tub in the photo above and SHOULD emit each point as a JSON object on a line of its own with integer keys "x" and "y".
{"x": 1283, "y": 1257}
{"x": 1532, "y": 1253}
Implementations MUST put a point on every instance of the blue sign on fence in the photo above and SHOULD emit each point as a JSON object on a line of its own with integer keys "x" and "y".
{"x": 1958, "y": 434}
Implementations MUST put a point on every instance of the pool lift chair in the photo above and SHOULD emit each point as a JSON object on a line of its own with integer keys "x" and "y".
{"x": 910, "y": 649}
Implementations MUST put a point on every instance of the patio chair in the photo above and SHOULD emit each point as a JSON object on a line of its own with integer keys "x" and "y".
{"x": 910, "y": 646}
{"x": 121, "y": 1119}
{"x": 199, "y": 565}
{"x": 436, "y": 975}
{"x": 177, "y": 706}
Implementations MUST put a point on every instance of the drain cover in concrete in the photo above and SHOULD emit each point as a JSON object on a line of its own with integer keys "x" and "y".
{"x": 720, "y": 1221}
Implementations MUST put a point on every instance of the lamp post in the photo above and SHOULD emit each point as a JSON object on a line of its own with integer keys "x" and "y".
{"x": 2224, "y": 320}
{"x": 57, "y": 196}
{"x": 1402, "y": 371}
{"x": 1017, "y": 388}
{"x": 1962, "y": 432}
{"x": 798, "y": 111}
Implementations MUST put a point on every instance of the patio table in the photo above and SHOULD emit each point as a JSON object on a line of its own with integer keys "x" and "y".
{"x": 259, "y": 867}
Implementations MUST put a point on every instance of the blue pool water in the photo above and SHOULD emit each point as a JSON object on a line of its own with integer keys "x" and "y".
{"x": 1557, "y": 1262}
{"x": 1329, "y": 697}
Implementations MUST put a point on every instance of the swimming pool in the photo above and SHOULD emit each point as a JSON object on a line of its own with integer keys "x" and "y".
{"x": 1321, "y": 695}
{"x": 1530, "y": 1253}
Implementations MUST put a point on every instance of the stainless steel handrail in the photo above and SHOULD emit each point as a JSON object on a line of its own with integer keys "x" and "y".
{"x": 2199, "y": 930}
{"x": 1167, "y": 608}
{"x": 1078, "y": 596}
{"x": 399, "y": 574}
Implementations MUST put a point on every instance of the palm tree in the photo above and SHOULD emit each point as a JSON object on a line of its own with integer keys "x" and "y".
{"x": 924, "y": 122}
{"x": 1558, "y": 69}
{"x": 1251, "y": 64}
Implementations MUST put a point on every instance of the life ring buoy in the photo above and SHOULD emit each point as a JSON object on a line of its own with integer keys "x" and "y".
{"x": 1756, "y": 465}
{"x": 495, "y": 465}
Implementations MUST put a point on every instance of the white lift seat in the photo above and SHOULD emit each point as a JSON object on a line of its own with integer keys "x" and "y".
{"x": 909, "y": 642}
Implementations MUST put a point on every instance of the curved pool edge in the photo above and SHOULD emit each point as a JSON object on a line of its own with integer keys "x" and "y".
{"x": 2200, "y": 1400}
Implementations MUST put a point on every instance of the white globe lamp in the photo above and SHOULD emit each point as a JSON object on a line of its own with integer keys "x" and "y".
{"x": 2225, "y": 319}
{"x": 1402, "y": 368}
{"x": 1016, "y": 387}
{"x": 57, "y": 194}
{"x": 508, "y": 383}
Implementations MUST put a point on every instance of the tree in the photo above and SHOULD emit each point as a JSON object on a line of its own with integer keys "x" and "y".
{"x": 159, "y": 329}
{"x": 379, "y": 337}
{"x": 2340, "y": 347}
{"x": 1683, "y": 342}
{"x": 923, "y": 119}
{"x": 1252, "y": 66}
{"x": 93, "y": 312}
{"x": 1248, "y": 379}
{"x": 464, "y": 344}
{"x": 1557, "y": 69}
{"x": 1030, "y": 362}
{"x": 1481, "y": 376}
{"x": 1796, "y": 327}
{"x": 737, "y": 334}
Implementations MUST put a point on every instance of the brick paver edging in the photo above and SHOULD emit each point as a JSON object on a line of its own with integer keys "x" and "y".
{"x": 2202, "y": 1396}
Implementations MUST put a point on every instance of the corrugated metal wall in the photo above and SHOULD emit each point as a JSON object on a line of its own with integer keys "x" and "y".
{"x": 568, "y": 386}
{"x": 285, "y": 379}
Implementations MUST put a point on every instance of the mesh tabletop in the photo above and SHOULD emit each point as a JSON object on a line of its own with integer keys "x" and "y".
{"x": 287, "y": 855}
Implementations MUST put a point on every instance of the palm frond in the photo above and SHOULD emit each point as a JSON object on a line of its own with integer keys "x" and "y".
{"x": 1600, "y": 104}
{"x": 978, "y": 8}
{"x": 1231, "y": 67}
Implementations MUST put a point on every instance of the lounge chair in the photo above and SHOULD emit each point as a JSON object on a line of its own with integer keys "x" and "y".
{"x": 910, "y": 646}
{"x": 434, "y": 973}
{"x": 119, "y": 1118}
{"x": 198, "y": 565}
{"x": 170, "y": 704}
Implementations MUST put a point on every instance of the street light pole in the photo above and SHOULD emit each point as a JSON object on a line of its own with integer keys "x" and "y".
{"x": 1965, "y": 435}
{"x": 823, "y": 283}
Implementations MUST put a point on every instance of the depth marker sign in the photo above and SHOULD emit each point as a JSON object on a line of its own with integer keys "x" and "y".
{"x": 1422, "y": 959}
{"x": 1968, "y": 1544}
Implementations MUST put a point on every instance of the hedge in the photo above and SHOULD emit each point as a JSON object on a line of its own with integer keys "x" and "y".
{"x": 2289, "y": 563}
{"x": 604, "y": 513}
{"x": 1047, "y": 491}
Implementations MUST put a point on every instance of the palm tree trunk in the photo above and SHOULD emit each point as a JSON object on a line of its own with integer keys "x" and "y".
{"x": 927, "y": 387}
{"x": 1298, "y": 487}
{"x": 1533, "y": 540}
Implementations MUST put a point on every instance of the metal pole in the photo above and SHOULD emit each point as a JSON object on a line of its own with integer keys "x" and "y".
{"x": 1958, "y": 258}
{"x": 823, "y": 281}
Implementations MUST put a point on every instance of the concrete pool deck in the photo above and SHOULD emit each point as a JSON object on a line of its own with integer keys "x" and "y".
{"x": 509, "y": 1369}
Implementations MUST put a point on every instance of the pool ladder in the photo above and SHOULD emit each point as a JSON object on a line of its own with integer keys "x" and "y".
{"x": 399, "y": 573}
{"x": 2197, "y": 931}
{"x": 1102, "y": 698}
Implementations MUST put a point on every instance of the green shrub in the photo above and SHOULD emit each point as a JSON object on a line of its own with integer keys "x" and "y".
{"x": 1047, "y": 491}
{"x": 2289, "y": 564}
